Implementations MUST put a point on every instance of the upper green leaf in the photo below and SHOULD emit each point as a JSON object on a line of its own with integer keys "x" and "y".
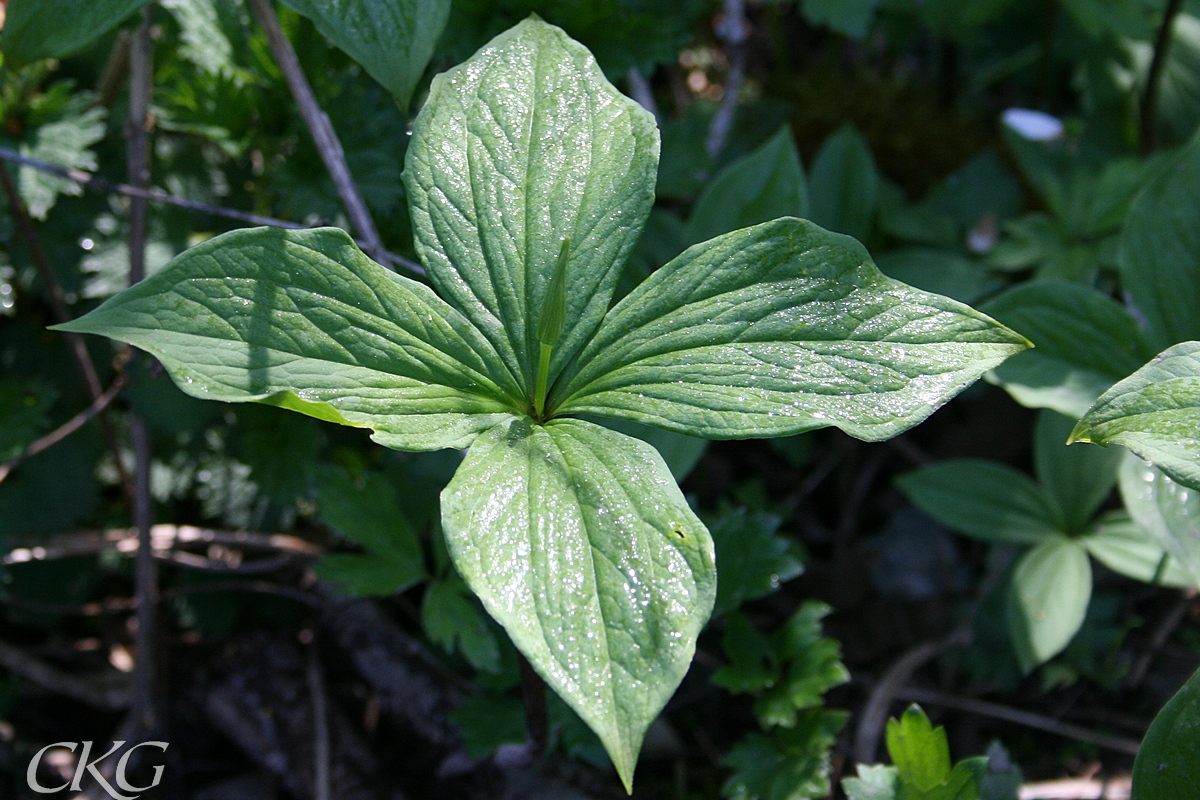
{"x": 580, "y": 544}
{"x": 763, "y": 185}
{"x": 984, "y": 499}
{"x": 778, "y": 329}
{"x": 1085, "y": 342}
{"x": 844, "y": 186}
{"x": 392, "y": 39}
{"x": 1159, "y": 254}
{"x": 1048, "y": 600}
{"x": 1166, "y": 511}
{"x": 1168, "y": 763}
{"x": 1155, "y": 412}
{"x": 523, "y": 146}
{"x": 302, "y": 319}
{"x": 35, "y": 29}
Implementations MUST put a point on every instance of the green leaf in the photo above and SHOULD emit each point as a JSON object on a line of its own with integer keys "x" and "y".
{"x": 938, "y": 270}
{"x": 1167, "y": 766}
{"x": 1127, "y": 547}
{"x": 303, "y": 320}
{"x": 392, "y": 39}
{"x": 920, "y": 751}
{"x": 66, "y": 143}
{"x": 1077, "y": 479}
{"x": 753, "y": 661}
{"x": 523, "y": 146}
{"x": 452, "y": 619}
{"x": 368, "y": 513}
{"x": 1155, "y": 412}
{"x": 848, "y": 17}
{"x": 1159, "y": 253}
{"x": 811, "y": 666}
{"x": 763, "y": 185}
{"x": 681, "y": 453}
{"x": 1168, "y": 512}
{"x": 775, "y": 330}
{"x": 790, "y": 764}
{"x": 983, "y": 499}
{"x": 1084, "y": 343}
{"x": 487, "y": 721}
{"x": 580, "y": 544}
{"x": 844, "y": 186}
{"x": 36, "y": 29}
{"x": 1048, "y": 600}
{"x": 873, "y": 782}
{"x": 752, "y": 559}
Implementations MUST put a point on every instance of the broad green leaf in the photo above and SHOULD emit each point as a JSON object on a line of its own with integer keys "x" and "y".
{"x": 681, "y": 453}
{"x": 1159, "y": 254}
{"x": 1077, "y": 479}
{"x": 35, "y": 29}
{"x": 303, "y": 320}
{"x": 920, "y": 751}
{"x": 1084, "y": 342}
{"x": 369, "y": 514}
{"x": 843, "y": 187}
{"x": 752, "y": 558}
{"x": 487, "y": 721}
{"x": 1155, "y": 412}
{"x": 1127, "y": 547}
{"x": 986, "y": 500}
{"x": 523, "y": 146}
{"x": 1167, "y": 766}
{"x": 939, "y": 270}
{"x": 1166, "y": 511}
{"x": 849, "y": 17}
{"x": 580, "y": 544}
{"x": 766, "y": 184}
{"x": 1048, "y": 599}
{"x": 392, "y": 39}
{"x": 775, "y": 330}
{"x": 65, "y": 142}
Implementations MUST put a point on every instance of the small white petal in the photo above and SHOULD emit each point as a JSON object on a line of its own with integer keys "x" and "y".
{"x": 1036, "y": 126}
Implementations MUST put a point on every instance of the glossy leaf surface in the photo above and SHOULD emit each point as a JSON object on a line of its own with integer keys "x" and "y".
{"x": 580, "y": 544}
{"x": 778, "y": 329}
{"x": 1168, "y": 512}
{"x": 1155, "y": 412}
{"x": 523, "y": 146}
{"x": 304, "y": 320}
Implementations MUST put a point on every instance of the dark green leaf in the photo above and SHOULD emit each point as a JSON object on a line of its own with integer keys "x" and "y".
{"x": 844, "y": 186}
{"x": 848, "y": 17}
{"x": 752, "y": 559}
{"x": 1076, "y": 479}
{"x": 452, "y": 618}
{"x": 1168, "y": 763}
{"x": 35, "y": 29}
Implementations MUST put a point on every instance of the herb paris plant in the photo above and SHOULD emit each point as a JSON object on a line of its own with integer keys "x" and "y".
{"x": 529, "y": 178}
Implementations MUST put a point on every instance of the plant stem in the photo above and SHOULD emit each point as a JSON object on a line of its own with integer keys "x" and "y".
{"x": 732, "y": 30}
{"x": 321, "y": 129}
{"x": 543, "y": 378}
{"x": 1162, "y": 44}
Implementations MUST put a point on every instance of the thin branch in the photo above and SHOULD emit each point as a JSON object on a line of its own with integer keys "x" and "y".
{"x": 1121, "y": 744}
{"x": 137, "y": 133}
{"x": 58, "y": 307}
{"x": 321, "y": 749}
{"x": 320, "y": 127}
{"x": 533, "y": 696}
{"x": 66, "y": 429}
{"x": 106, "y": 694}
{"x": 639, "y": 90}
{"x": 98, "y": 184}
{"x": 163, "y": 538}
{"x": 1162, "y": 44}
{"x": 733, "y": 30}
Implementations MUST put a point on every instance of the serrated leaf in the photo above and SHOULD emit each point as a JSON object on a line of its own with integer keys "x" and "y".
{"x": 1127, "y": 547}
{"x": 763, "y": 185}
{"x": 65, "y": 143}
{"x": 752, "y": 559}
{"x": 393, "y": 40}
{"x": 843, "y": 187}
{"x": 451, "y": 618}
{"x": 523, "y": 146}
{"x": 1168, "y": 512}
{"x": 775, "y": 330}
{"x": 1048, "y": 599}
{"x": 1076, "y": 479}
{"x": 1159, "y": 253}
{"x": 1155, "y": 412}
{"x": 303, "y": 320}
{"x": 790, "y": 764}
{"x": 1084, "y": 342}
{"x": 986, "y": 500}
{"x": 753, "y": 661}
{"x": 36, "y": 29}
{"x": 920, "y": 751}
{"x": 1167, "y": 766}
{"x": 580, "y": 544}
{"x": 811, "y": 666}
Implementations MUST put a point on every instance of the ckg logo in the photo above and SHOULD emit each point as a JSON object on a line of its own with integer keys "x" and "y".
{"x": 86, "y": 766}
